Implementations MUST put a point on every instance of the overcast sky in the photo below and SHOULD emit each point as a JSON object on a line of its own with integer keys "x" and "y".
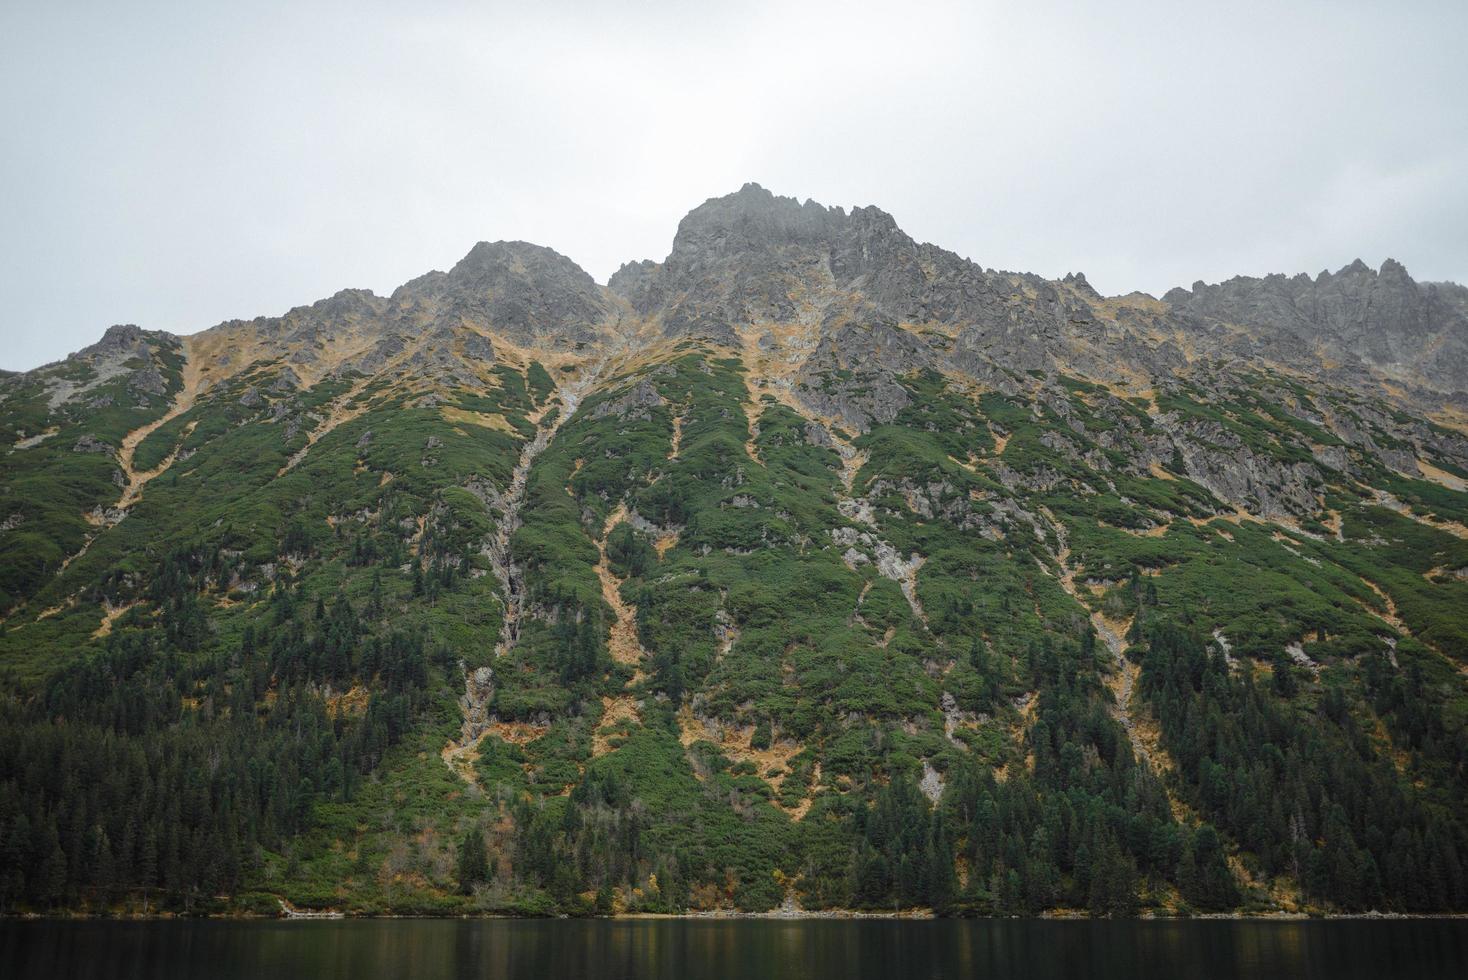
{"x": 174, "y": 165}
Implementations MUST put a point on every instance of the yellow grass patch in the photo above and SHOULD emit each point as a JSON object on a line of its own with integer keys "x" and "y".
{"x": 665, "y": 542}
{"x": 110, "y": 615}
{"x": 752, "y": 413}
{"x": 623, "y": 644}
{"x": 735, "y": 743}
{"x": 351, "y": 703}
{"x": 618, "y": 715}
{"x": 484, "y": 420}
{"x": 676, "y": 443}
{"x": 516, "y": 732}
{"x": 1442, "y": 477}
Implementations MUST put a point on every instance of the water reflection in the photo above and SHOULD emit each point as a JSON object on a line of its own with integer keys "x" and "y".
{"x": 801, "y": 950}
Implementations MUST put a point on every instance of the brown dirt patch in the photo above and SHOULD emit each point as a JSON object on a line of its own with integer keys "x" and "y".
{"x": 351, "y": 703}
{"x": 623, "y": 643}
{"x": 110, "y": 615}
{"x": 735, "y": 742}
{"x": 619, "y": 713}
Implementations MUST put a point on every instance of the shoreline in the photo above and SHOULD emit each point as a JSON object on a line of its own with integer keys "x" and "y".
{"x": 731, "y": 915}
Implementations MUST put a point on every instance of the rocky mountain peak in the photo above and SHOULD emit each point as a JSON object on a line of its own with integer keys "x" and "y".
{"x": 750, "y": 219}
{"x": 119, "y": 339}
{"x": 753, "y": 256}
{"x": 1382, "y": 320}
{"x": 525, "y": 291}
{"x": 754, "y": 218}
{"x": 494, "y": 258}
{"x": 1391, "y": 268}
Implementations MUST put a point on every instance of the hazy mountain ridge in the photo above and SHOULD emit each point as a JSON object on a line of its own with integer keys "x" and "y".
{"x": 753, "y": 258}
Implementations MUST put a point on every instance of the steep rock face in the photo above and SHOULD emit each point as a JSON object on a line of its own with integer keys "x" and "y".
{"x": 753, "y": 261}
{"x": 119, "y": 342}
{"x": 852, "y": 374}
{"x": 753, "y": 257}
{"x": 1416, "y": 332}
{"x": 526, "y": 292}
{"x": 844, "y": 305}
{"x": 746, "y": 258}
{"x": 845, "y": 287}
{"x": 633, "y": 282}
{"x": 1219, "y": 460}
{"x": 833, "y": 293}
{"x": 308, "y": 335}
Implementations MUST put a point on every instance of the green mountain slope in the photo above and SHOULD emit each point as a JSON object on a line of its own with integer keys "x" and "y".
{"x": 810, "y": 567}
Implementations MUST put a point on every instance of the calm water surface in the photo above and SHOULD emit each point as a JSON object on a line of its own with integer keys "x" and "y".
{"x": 817, "y": 950}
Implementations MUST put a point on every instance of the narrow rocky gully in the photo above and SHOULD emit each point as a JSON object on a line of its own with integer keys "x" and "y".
{"x": 459, "y": 755}
{"x": 1122, "y": 679}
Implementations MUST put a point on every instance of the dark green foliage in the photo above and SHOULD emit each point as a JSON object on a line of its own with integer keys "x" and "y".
{"x": 628, "y": 551}
{"x": 1306, "y": 795}
{"x": 539, "y": 382}
{"x": 267, "y": 716}
{"x": 473, "y": 861}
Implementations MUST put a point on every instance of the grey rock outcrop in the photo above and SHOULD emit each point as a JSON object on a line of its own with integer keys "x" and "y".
{"x": 1384, "y": 320}
{"x": 89, "y": 443}
{"x": 527, "y": 292}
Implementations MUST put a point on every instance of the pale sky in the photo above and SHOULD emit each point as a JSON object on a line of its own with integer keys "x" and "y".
{"x": 177, "y": 164}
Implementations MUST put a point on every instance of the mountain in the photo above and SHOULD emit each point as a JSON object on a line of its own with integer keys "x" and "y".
{"x": 810, "y": 567}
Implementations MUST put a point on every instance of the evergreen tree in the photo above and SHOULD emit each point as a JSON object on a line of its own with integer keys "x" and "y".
{"x": 473, "y": 861}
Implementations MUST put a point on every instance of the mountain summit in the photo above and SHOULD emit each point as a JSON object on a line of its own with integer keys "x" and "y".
{"x": 809, "y": 567}
{"x": 751, "y": 260}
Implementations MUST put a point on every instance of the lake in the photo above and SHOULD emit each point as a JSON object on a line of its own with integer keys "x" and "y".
{"x": 808, "y": 949}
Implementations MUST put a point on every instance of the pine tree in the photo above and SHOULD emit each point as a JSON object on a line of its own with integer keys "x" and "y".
{"x": 763, "y": 735}
{"x": 473, "y": 861}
